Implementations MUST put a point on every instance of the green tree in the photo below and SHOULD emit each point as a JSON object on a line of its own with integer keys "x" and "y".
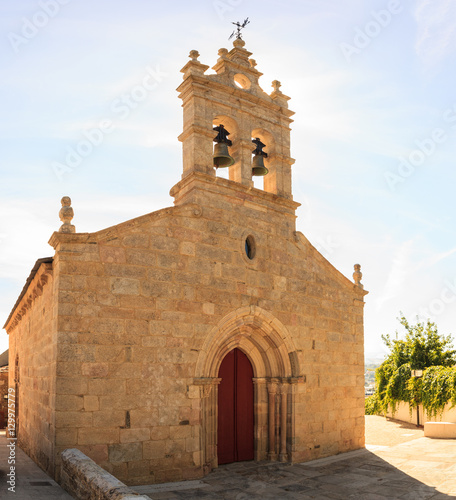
{"x": 421, "y": 349}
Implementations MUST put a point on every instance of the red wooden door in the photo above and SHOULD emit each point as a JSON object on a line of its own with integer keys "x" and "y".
{"x": 235, "y": 409}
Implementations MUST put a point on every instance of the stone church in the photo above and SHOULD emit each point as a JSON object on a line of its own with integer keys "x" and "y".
{"x": 204, "y": 333}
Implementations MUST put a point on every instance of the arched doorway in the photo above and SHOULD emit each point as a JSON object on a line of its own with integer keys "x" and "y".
{"x": 235, "y": 427}
{"x": 274, "y": 359}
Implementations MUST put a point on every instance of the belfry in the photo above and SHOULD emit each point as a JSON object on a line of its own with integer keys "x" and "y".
{"x": 203, "y": 333}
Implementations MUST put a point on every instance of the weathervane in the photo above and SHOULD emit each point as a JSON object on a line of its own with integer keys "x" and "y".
{"x": 237, "y": 31}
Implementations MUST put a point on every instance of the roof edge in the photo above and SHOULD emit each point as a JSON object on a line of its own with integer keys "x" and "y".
{"x": 44, "y": 260}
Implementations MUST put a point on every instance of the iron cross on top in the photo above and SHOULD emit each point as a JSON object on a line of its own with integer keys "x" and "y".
{"x": 237, "y": 31}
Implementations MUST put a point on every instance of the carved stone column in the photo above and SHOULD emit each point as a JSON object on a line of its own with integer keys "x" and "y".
{"x": 208, "y": 441}
{"x": 241, "y": 171}
{"x": 261, "y": 418}
{"x": 283, "y": 456}
{"x": 272, "y": 390}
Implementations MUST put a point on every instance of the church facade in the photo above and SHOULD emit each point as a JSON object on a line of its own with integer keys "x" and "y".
{"x": 204, "y": 333}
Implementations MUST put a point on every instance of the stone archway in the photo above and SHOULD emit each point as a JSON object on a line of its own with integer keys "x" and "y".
{"x": 270, "y": 349}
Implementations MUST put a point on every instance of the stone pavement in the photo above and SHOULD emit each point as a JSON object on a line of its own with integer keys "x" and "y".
{"x": 399, "y": 463}
{"x": 32, "y": 483}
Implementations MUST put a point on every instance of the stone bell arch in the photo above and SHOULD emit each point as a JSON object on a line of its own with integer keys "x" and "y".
{"x": 270, "y": 349}
{"x": 234, "y": 94}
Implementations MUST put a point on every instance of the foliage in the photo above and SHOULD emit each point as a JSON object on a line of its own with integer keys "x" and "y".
{"x": 421, "y": 349}
{"x": 371, "y": 405}
{"x": 438, "y": 389}
{"x": 397, "y": 388}
{"x": 415, "y": 388}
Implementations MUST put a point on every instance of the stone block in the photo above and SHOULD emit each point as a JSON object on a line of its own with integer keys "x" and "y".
{"x": 141, "y": 257}
{"x": 91, "y": 403}
{"x": 159, "y": 433}
{"x": 147, "y": 314}
{"x": 154, "y": 449}
{"x": 125, "y": 286}
{"x": 130, "y": 301}
{"x": 187, "y": 248}
{"x": 96, "y": 283}
{"x": 157, "y": 274}
{"x": 124, "y": 402}
{"x": 134, "y": 435}
{"x": 100, "y": 435}
{"x": 127, "y": 452}
{"x": 95, "y": 369}
{"x": 71, "y": 385}
{"x": 443, "y": 430}
{"x": 180, "y": 431}
{"x": 144, "y": 417}
{"x": 101, "y": 387}
{"x": 105, "y": 325}
{"x": 69, "y": 403}
{"x": 139, "y": 469}
{"x": 66, "y": 437}
{"x": 72, "y": 419}
{"x": 164, "y": 243}
{"x": 173, "y": 475}
{"x": 97, "y": 452}
{"x": 115, "y": 312}
{"x": 108, "y": 418}
{"x": 136, "y": 240}
{"x": 112, "y": 254}
{"x": 159, "y": 289}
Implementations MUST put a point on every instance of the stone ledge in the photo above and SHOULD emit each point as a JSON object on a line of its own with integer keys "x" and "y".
{"x": 86, "y": 480}
{"x": 443, "y": 430}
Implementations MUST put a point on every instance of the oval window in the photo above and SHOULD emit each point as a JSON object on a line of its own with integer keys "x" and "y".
{"x": 242, "y": 81}
{"x": 250, "y": 248}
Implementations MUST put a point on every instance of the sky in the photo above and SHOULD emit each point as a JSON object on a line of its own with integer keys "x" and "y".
{"x": 374, "y": 134}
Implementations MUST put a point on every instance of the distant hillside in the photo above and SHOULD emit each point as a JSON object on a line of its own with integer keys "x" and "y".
{"x": 372, "y": 358}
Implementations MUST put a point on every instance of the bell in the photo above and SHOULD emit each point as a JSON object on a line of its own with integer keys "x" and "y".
{"x": 258, "y": 168}
{"x": 221, "y": 156}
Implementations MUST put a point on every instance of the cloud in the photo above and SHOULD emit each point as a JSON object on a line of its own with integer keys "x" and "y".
{"x": 435, "y": 259}
{"x": 436, "y": 30}
{"x": 397, "y": 275}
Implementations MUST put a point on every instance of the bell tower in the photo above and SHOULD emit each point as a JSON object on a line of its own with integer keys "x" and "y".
{"x": 258, "y": 124}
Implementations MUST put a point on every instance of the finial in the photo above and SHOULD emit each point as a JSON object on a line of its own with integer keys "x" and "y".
{"x": 357, "y": 275}
{"x": 237, "y": 31}
{"x": 223, "y": 52}
{"x": 276, "y": 86}
{"x": 258, "y": 151}
{"x": 66, "y": 215}
{"x": 194, "y": 54}
{"x": 239, "y": 43}
{"x": 252, "y": 62}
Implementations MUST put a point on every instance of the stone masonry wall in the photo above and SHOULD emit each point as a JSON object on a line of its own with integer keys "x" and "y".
{"x": 32, "y": 342}
{"x": 137, "y": 301}
{"x": 3, "y": 393}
